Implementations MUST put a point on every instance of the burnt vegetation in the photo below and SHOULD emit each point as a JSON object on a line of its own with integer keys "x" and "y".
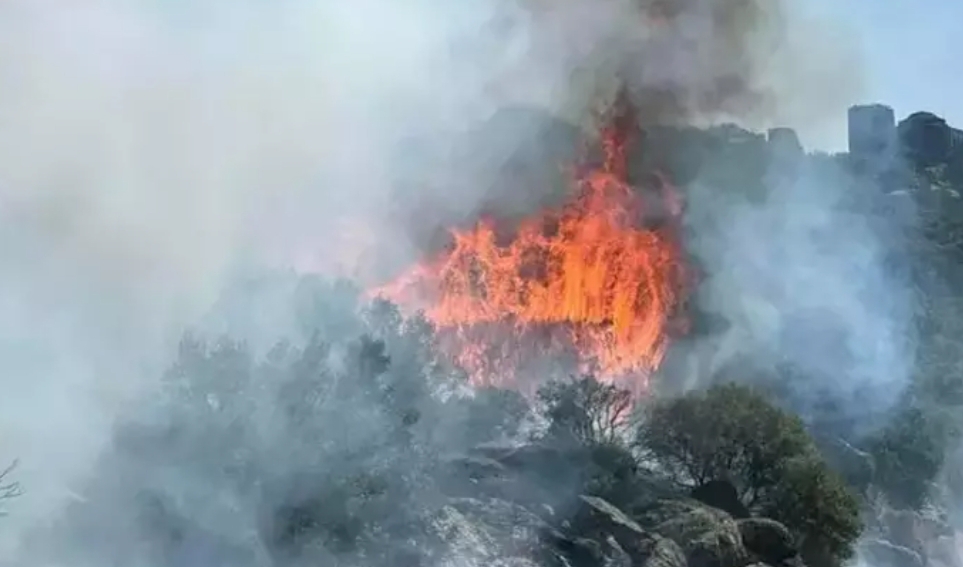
{"x": 355, "y": 444}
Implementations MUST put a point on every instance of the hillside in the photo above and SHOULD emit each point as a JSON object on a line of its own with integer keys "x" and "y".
{"x": 351, "y": 443}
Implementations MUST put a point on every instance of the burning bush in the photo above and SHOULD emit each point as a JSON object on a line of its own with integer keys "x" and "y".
{"x": 596, "y": 282}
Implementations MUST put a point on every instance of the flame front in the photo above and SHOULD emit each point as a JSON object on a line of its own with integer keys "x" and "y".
{"x": 589, "y": 280}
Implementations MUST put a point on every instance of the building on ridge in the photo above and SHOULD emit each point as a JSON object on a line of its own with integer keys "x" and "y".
{"x": 872, "y": 132}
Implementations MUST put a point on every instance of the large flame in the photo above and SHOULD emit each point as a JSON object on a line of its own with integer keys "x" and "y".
{"x": 589, "y": 280}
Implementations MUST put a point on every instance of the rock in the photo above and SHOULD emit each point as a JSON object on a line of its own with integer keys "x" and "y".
{"x": 768, "y": 540}
{"x": 617, "y": 557}
{"x": 514, "y": 562}
{"x": 926, "y": 138}
{"x": 611, "y": 518}
{"x": 474, "y": 467}
{"x": 723, "y": 495}
{"x": 881, "y": 553}
{"x": 708, "y": 536}
{"x": 486, "y": 531}
{"x": 501, "y": 516}
{"x": 620, "y": 537}
{"x": 665, "y": 553}
{"x": 587, "y": 552}
{"x": 574, "y": 552}
{"x": 547, "y": 465}
{"x": 784, "y": 146}
{"x": 599, "y": 519}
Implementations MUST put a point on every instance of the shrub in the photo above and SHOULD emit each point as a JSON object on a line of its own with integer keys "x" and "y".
{"x": 731, "y": 432}
{"x": 585, "y": 409}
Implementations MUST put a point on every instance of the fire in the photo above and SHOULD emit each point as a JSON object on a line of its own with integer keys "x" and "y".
{"x": 590, "y": 281}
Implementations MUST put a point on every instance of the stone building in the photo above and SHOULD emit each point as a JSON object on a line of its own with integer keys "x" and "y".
{"x": 872, "y": 133}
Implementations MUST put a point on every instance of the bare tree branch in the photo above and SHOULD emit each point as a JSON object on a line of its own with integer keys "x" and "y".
{"x": 9, "y": 488}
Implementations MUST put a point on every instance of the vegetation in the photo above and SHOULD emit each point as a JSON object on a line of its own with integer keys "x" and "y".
{"x": 342, "y": 442}
{"x": 585, "y": 409}
{"x": 908, "y": 454}
{"x": 729, "y": 432}
{"x": 362, "y": 409}
{"x": 818, "y": 507}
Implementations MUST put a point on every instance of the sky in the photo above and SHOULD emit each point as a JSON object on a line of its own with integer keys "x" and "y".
{"x": 908, "y": 52}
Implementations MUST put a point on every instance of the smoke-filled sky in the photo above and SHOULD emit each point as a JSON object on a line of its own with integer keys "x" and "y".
{"x": 909, "y": 51}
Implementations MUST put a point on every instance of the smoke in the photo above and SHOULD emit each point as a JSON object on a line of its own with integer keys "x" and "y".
{"x": 151, "y": 151}
{"x": 814, "y": 281}
{"x": 689, "y": 62}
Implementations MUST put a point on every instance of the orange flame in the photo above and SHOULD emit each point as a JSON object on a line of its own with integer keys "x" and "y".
{"x": 589, "y": 280}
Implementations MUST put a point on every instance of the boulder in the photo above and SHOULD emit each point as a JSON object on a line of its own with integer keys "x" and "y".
{"x": 926, "y": 138}
{"x": 665, "y": 553}
{"x": 723, "y": 495}
{"x": 475, "y": 466}
{"x": 708, "y": 536}
{"x": 610, "y": 518}
{"x": 619, "y": 537}
{"x": 514, "y": 562}
{"x": 598, "y": 519}
{"x": 573, "y": 552}
{"x": 589, "y": 552}
{"x": 486, "y": 531}
{"x": 768, "y": 540}
{"x": 617, "y": 556}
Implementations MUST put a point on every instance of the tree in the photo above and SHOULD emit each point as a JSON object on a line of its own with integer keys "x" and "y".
{"x": 9, "y": 488}
{"x": 731, "y": 432}
{"x": 817, "y": 506}
{"x": 908, "y": 455}
{"x": 585, "y": 409}
{"x": 727, "y": 432}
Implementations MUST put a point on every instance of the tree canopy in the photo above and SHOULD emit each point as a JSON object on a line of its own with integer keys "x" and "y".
{"x": 730, "y": 432}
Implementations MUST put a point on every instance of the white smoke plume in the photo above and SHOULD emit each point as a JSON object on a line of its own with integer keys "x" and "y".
{"x": 814, "y": 281}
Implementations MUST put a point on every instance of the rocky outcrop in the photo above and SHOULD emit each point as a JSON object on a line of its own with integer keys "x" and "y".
{"x": 486, "y": 531}
{"x": 603, "y": 522}
{"x": 723, "y": 495}
{"x": 675, "y": 531}
{"x": 708, "y": 536}
{"x": 768, "y": 541}
{"x": 785, "y": 149}
{"x": 926, "y": 138}
{"x": 490, "y": 514}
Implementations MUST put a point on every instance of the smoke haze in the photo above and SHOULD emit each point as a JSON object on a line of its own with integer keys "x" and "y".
{"x": 815, "y": 283}
{"x": 149, "y": 151}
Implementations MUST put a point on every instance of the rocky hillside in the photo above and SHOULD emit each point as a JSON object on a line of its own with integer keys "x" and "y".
{"x": 354, "y": 446}
{"x": 503, "y": 523}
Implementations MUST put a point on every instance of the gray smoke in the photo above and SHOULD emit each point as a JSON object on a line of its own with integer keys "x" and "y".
{"x": 150, "y": 151}
{"x": 814, "y": 281}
